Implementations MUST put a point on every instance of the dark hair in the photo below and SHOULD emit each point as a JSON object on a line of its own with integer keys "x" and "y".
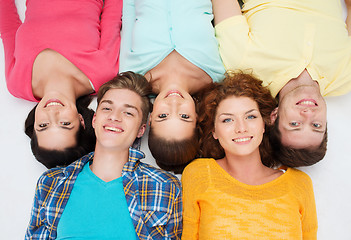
{"x": 292, "y": 157}
{"x": 131, "y": 81}
{"x": 173, "y": 155}
{"x": 236, "y": 84}
{"x": 85, "y": 138}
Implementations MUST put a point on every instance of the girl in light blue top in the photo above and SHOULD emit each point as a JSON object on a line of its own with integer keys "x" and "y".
{"x": 172, "y": 43}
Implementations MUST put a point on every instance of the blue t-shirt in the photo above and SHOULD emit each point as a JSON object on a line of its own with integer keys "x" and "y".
{"x": 96, "y": 210}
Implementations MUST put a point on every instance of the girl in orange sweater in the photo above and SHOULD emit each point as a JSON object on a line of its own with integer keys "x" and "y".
{"x": 240, "y": 195}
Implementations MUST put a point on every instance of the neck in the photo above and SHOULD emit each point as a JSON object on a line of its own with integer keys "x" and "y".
{"x": 108, "y": 163}
{"x": 62, "y": 85}
{"x": 246, "y": 169}
{"x": 171, "y": 82}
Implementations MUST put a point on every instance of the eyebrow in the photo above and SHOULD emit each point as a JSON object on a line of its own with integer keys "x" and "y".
{"x": 63, "y": 127}
{"x": 165, "y": 119}
{"x": 230, "y": 114}
{"x": 125, "y": 105}
{"x": 299, "y": 129}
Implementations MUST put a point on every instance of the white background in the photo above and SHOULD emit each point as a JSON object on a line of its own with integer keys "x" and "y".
{"x": 20, "y": 171}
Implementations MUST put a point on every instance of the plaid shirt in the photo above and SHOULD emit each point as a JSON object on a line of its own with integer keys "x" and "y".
{"x": 153, "y": 198}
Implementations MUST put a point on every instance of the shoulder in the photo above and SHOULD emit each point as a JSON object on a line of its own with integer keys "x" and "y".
{"x": 299, "y": 180}
{"x": 198, "y": 167}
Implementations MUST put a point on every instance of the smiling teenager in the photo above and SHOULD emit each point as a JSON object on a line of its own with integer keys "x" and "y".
{"x": 58, "y": 56}
{"x": 109, "y": 193}
{"x": 291, "y": 50}
{"x": 173, "y": 45}
{"x": 235, "y": 192}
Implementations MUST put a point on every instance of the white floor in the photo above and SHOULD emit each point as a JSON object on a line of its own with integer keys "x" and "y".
{"x": 20, "y": 171}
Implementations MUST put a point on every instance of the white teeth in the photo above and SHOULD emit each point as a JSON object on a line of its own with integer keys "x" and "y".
{"x": 307, "y": 103}
{"x": 174, "y": 94}
{"x": 242, "y": 139}
{"x": 113, "y": 129}
{"x": 54, "y": 104}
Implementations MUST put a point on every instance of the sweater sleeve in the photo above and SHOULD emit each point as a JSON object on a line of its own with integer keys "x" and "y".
{"x": 195, "y": 181}
{"x": 309, "y": 217}
{"x": 9, "y": 23}
{"x": 111, "y": 21}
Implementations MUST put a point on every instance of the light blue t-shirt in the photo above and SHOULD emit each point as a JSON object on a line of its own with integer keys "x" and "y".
{"x": 96, "y": 210}
{"x": 152, "y": 29}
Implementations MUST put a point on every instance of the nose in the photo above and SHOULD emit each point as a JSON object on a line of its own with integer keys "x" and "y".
{"x": 308, "y": 112}
{"x": 115, "y": 116}
{"x": 240, "y": 126}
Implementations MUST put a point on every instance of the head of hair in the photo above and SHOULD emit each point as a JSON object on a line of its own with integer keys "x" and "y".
{"x": 173, "y": 155}
{"x": 133, "y": 82}
{"x": 292, "y": 157}
{"x": 236, "y": 84}
{"x": 85, "y": 138}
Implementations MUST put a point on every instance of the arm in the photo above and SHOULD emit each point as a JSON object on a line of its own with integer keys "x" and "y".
{"x": 223, "y": 9}
{"x": 175, "y": 223}
{"x": 9, "y": 23}
{"x": 348, "y": 18}
{"x": 309, "y": 214}
{"x": 128, "y": 20}
{"x": 111, "y": 21}
{"x": 191, "y": 211}
{"x": 36, "y": 229}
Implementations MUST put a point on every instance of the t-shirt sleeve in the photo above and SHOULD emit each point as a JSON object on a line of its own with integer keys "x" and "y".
{"x": 110, "y": 25}
{"x": 9, "y": 23}
{"x": 233, "y": 36}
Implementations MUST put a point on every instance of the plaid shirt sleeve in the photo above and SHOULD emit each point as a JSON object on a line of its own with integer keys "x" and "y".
{"x": 174, "y": 225}
{"x": 36, "y": 229}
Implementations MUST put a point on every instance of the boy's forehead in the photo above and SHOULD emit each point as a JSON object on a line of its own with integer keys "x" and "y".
{"x": 125, "y": 97}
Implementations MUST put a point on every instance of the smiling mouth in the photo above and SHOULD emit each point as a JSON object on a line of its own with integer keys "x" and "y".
{"x": 307, "y": 103}
{"x": 174, "y": 93}
{"x": 242, "y": 140}
{"x": 113, "y": 129}
{"x": 53, "y": 102}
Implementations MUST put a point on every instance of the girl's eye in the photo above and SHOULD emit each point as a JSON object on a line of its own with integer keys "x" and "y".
{"x": 42, "y": 125}
{"x": 251, "y": 117}
{"x": 186, "y": 116}
{"x": 227, "y": 120}
{"x": 66, "y": 123}
{"x": 162, "y": 115}
{"x": 294, "y": 124}
{"x": 316, "y": 125}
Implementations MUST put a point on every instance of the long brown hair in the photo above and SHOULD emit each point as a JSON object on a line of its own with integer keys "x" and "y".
{"x": 236, "y": 84}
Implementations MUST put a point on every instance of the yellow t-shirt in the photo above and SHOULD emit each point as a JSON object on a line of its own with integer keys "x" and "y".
{"x": 278, "y": 39}
{"x": 217, "y": 206}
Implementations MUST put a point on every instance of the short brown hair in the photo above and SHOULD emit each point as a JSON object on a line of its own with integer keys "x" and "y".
{"x": 292, "y": 157}
{"x": 173, "y": 155}
{"x": 131, "y": 81}
{"x": 236, "y": 84}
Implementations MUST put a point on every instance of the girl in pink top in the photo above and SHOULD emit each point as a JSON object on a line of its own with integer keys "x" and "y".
{"x": 62, "y": 51}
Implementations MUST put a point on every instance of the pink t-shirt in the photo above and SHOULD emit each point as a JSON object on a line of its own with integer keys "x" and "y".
{"x": 86, "y": 32}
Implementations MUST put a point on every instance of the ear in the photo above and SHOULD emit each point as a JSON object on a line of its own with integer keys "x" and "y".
{"x": 93, "y": 122}
{"x": 274, "y": 115}
{"x": 214, "y": 135}
{"x": 141, "y": 130}
{"x": 149, "y": 122}
{"x": 81, "y": 119}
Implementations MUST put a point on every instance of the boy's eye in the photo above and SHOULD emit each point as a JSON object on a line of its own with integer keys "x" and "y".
{"x": 294, "y": 124}
{"x": 186, "y": 116}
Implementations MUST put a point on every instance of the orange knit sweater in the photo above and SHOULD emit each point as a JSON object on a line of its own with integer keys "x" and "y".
{"x": 217, "y": 206}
